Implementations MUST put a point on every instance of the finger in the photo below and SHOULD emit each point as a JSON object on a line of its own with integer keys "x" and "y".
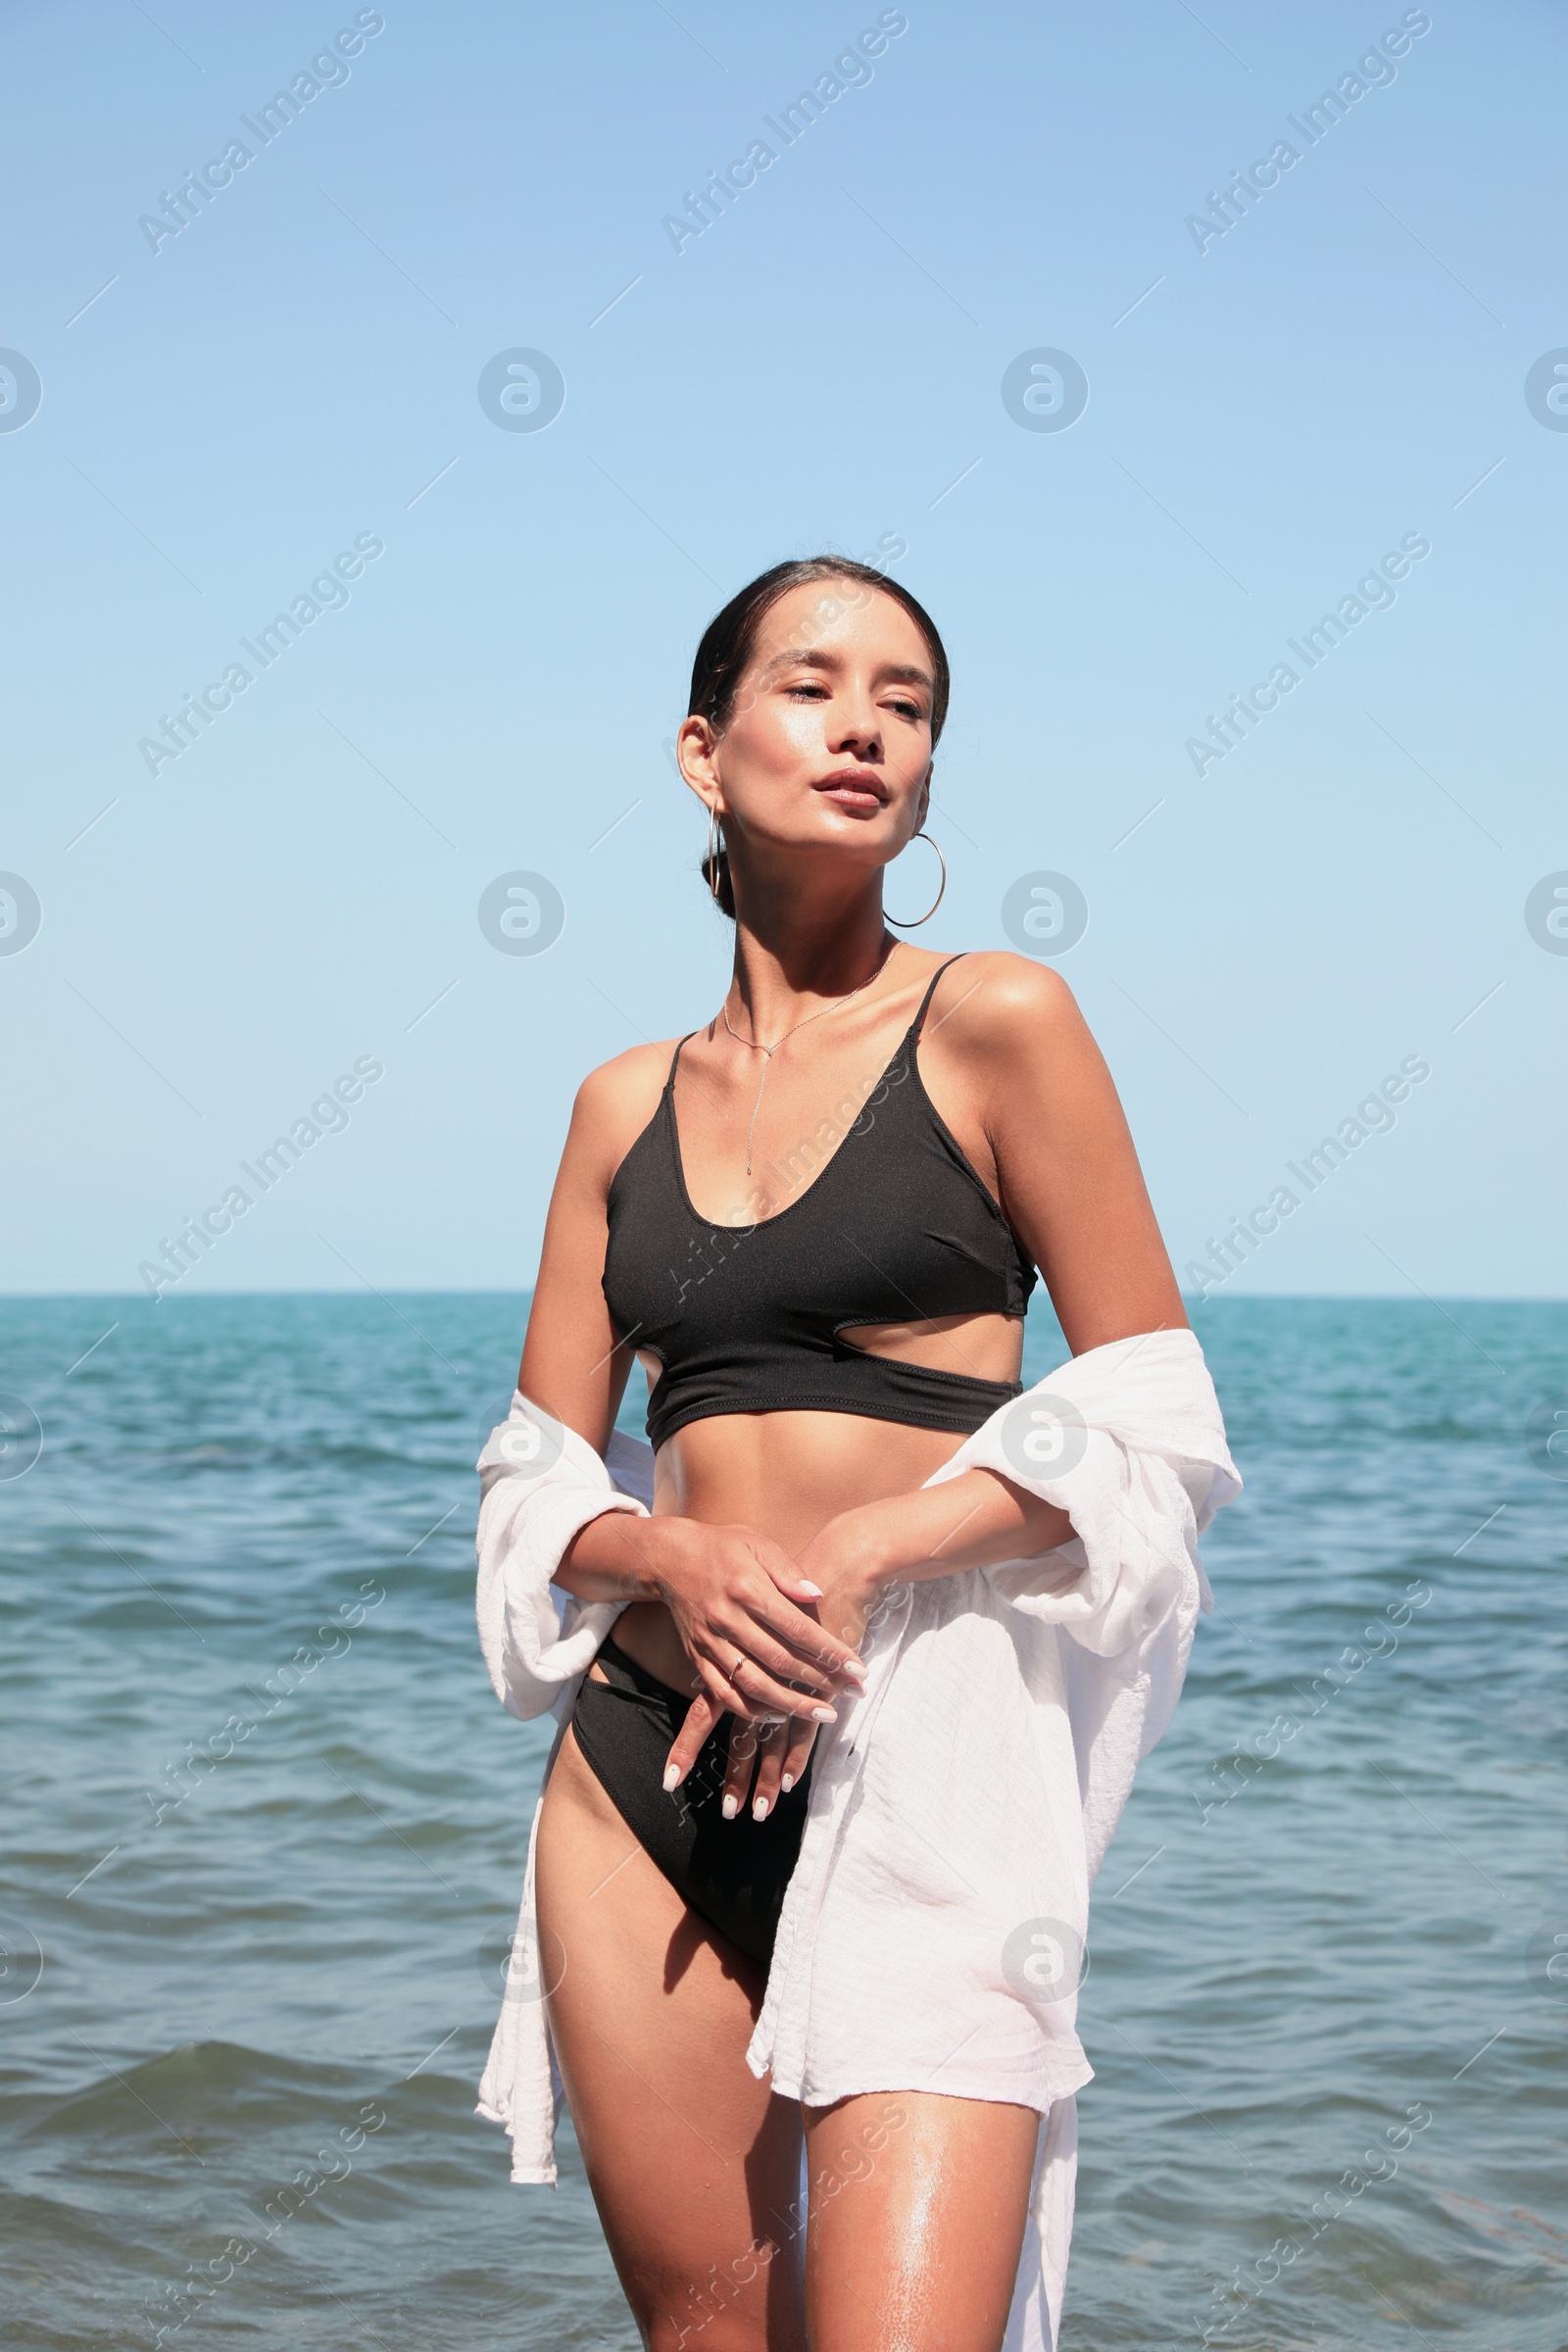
{"x": 787, "y": 1576}
{"x": 798, "y": 1744}
{"x": 745, "y": 1741}
{"x": 760, "y": 1697}
{"x": 812, "y": 1638}
{"x": 700, "y": 1717}
{"x": 752, "y": 1639}
{"x": 719, "y": 1654}
{"x": 812, "y": 1647}
{"x": 745, "y": 1686}
{"x": 773, "y": 1743}
{"x": 797, "y": 1621}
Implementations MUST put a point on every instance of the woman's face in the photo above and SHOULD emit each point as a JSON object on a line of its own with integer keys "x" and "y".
{"x": 829, "y": 741}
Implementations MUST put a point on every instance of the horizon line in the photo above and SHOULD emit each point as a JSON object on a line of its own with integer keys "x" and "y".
{"x": 525, "y": 1290}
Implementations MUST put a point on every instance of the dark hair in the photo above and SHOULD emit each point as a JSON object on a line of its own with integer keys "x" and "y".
{"x": 730, "y": 639}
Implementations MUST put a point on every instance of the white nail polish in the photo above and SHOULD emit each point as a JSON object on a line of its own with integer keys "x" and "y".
{"x": 730, "y": 1807}
{"x": 671, "y": 1778}
{"x": 823, "y": 1715}
{"x": 814, "y": 1590}
{"x": 760, "y": 1809}
{"x": 788, "y": 1781}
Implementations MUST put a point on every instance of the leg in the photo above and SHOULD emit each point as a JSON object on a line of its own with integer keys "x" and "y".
{"x": 693, "y": 2163}
{"x": 917, "y": 2214}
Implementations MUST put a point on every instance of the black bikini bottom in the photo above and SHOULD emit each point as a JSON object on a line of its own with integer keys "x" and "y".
{"x": 732, "y": 1873}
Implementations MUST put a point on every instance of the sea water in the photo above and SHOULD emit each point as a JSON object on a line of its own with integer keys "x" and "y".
{"x": 264, "y": 1828}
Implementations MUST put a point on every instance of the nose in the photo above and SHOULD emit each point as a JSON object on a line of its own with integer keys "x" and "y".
{"x": 858, "y": 725}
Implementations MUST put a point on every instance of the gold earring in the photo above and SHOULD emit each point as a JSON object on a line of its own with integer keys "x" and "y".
{"x": 923, "y": 835}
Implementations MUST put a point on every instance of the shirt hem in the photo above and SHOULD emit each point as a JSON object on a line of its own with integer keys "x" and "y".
{"x": 524, "y": 2176}
{"x": 845, "y": 2086}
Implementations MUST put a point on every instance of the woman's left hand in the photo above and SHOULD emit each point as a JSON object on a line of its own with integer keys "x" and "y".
{"x": 847, "y": 1561}
{"x": 841, "y": 1560}
{"x": 968, "y": 1522}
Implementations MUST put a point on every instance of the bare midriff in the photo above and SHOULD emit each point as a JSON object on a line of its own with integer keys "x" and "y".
{"x": 787, "y": 1473}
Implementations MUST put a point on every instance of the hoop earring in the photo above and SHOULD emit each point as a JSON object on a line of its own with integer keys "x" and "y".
{"x": 714, "y": 844}
{"x": 915, "y": 925}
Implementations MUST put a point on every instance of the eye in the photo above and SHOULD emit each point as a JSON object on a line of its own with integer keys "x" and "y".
{"x": 909, "y": 710}
{"x": 808, "y": 686}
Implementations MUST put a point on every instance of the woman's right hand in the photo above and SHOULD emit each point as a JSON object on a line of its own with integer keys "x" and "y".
{"x": 738, "y": 1604}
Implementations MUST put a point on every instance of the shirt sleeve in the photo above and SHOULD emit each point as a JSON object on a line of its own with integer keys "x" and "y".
{"x": 1128, "y": 1441}
{"x": 539, "y": 1483}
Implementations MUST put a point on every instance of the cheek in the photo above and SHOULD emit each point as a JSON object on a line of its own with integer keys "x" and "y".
{"x": 776, "y": 737}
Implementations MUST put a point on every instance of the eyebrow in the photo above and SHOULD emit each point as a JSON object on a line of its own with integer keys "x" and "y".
{"x": 906, "y": 672}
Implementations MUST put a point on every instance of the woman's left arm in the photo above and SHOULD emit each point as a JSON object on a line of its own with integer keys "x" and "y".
{"x": 1007, "y": 1050}
{"x": 1010, "y": 1058}
{"x": 1017, "y": 1051}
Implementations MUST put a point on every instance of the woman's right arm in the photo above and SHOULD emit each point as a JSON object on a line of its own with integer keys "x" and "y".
{"x": 732, "y": 1594}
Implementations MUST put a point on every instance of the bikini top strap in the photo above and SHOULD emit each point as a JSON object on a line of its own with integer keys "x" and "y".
{"x": 919, "y": 1023}
{"x": 670, "y": 1081}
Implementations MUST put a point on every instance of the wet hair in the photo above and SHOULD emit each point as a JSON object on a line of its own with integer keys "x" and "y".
{"x": 730, "y": 640}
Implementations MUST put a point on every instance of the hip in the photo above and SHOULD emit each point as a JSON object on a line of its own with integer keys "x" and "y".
{"x": 732, "y": 1873}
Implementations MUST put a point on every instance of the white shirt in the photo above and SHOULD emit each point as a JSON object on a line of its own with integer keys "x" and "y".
{"x": 933, "y": 1930}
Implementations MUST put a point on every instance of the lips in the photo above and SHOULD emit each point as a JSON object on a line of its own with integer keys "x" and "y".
{"x": 859, "y": 790}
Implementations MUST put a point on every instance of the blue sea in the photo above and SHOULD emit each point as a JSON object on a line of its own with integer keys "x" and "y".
{"x": 264, "y": 1828}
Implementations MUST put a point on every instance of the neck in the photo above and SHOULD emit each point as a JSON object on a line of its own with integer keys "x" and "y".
{"x": 784, "y": 970}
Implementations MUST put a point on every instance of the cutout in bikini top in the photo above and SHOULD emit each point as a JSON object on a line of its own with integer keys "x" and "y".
{"x": 898, "y": 1227}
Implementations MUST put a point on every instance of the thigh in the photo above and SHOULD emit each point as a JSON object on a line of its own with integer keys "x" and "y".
{"x": 917, "y": 2213}
{"x": 694, "y": 2165}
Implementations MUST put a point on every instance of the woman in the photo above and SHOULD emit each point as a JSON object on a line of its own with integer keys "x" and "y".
{"x": 816, "y": 1220}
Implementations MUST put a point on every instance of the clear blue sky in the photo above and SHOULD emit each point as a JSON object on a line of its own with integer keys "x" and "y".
{"x": 1267, "y": 418}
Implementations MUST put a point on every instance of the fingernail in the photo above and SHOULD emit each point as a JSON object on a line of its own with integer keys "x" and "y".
{"x": 760, "y": 1809}
{"x": 730, "y": 1807}
{"x": 671, "y": 1778}
{"x": 788, "y": 1781}
{"x": 814, "y": 1590}
{"x": 854, "y": 1673}
{"x": 823, "y": 1715}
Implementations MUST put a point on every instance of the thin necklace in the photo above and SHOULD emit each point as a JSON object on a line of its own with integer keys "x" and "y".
{"x": 757, "y": 1045}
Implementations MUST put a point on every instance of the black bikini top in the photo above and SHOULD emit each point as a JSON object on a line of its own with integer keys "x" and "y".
{"x": 896, "y": 1227}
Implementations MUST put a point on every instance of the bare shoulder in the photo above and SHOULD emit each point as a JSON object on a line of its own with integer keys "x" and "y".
{"x": 615, "y": 1103}
{"x": 1006, "y": 1008}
